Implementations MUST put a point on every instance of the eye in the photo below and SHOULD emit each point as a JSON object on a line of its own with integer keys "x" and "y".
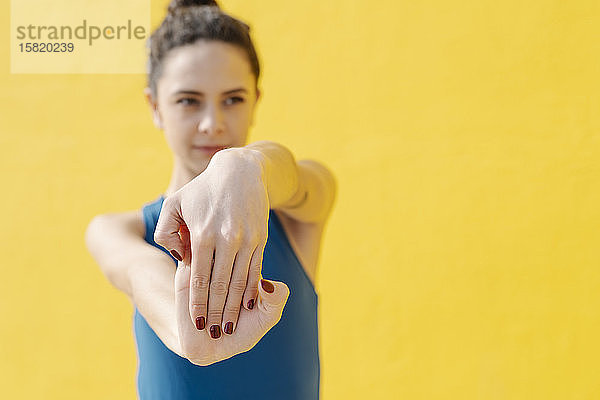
{"x": 187, "y": 101}
{"x": 233, "y": 100}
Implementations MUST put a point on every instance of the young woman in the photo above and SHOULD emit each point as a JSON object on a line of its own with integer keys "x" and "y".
{"x": 207, "y": 325}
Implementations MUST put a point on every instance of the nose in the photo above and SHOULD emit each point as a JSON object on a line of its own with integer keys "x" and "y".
{"x": 211, "y": 122}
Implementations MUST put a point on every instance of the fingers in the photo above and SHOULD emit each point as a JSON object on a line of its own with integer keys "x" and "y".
{"x": 254, "y": 274}
{"x": 237, "y": 286}
{"x": 219, "y": 285}
{"x": 184, "y": 233}
{"x": 253, "y": 325}
{"x": 272, "y": 298}
{"x": 167, "y": 228}
{"x": 191, "y": 342}
{"x": 202, "y": 260}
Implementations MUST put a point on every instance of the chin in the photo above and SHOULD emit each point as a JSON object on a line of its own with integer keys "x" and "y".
{"x": 196, "y": 167}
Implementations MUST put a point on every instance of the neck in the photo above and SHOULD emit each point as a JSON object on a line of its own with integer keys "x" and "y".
{"x": 181, "y": 175}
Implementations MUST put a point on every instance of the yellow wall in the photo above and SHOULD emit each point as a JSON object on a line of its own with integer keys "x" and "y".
{"x": 461, "y": 260}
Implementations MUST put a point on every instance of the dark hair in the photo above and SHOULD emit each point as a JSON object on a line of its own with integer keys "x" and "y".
{"x": 190, "y": 20}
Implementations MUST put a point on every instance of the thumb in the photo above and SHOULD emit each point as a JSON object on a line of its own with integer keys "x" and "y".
{"x": 272, "y": 297}
{"x": 169, "y": 222}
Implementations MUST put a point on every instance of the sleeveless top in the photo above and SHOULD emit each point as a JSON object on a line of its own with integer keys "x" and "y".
{"x": 283, "y": 365}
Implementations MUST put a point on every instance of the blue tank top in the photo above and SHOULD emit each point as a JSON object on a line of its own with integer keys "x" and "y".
{"x": 283, "y": 365}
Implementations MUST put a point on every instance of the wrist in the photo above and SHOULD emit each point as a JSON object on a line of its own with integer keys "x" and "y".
{"x": 280, "y": 171}
{"x": 242, "y": 159}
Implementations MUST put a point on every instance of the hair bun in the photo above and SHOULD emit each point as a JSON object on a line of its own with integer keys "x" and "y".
{"x": 175, "y": 4}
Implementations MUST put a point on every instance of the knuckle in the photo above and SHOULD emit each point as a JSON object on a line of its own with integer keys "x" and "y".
{"x": 256, "y": 263}
{"x": 251, "y": 239}
{"x": 230, "y": 309}
{"x": 237, "y": 286}
{"x": 218, "y": 288}
{"x": 246, "y": 241}
{"x": 168, "y": 203}
{"x": 214, "y": 315}
{"x": 200, "y": 282}
{"x": 198, "y": 307}
{"x": 231, "y": 236}
{"x": 255, "y": 266}
{"x": 254, "y": 273}
{"x": 160, "y": 236}
{"x": 205, "y": 236}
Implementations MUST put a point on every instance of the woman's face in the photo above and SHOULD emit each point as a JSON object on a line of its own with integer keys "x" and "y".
{"x": 206, "y": 97}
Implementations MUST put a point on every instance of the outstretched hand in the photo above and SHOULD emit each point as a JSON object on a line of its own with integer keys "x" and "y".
{"x": 220, "y": 217}
{"x": 252, "y": 325}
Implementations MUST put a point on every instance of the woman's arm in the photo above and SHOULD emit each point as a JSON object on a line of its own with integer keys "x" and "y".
{"x": 225, "y": 209}
{"x": 141, "y": 271}
{"x": 303, "y": 190}
{"x": 149, "y": 278}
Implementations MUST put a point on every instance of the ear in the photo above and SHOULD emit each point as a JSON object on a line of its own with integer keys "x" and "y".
{"x": 153, "y": 108}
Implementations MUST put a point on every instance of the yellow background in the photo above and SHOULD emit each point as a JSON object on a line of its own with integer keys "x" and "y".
{"x": 461, "y": 260}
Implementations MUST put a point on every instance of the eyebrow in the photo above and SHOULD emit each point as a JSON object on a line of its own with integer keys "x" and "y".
{"x": 201, "y": 94}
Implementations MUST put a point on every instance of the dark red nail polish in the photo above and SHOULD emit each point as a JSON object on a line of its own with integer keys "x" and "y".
{"x": 200, "y": 323}
{"x": 229, "y": 328}
{"x": 215, "y": 331}
{"x": 267, "y": 286}
{"x": 176, "y": 255}
{"x": 250, "y": 304}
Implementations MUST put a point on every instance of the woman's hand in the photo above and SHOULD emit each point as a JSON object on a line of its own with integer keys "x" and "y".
{"x": 221, "y": 218}
{"x": 252, "y": 325}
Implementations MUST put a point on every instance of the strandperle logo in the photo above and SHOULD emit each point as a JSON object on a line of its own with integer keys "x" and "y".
{"x": 79, "y": 37}
{"x": 82, "y": 32}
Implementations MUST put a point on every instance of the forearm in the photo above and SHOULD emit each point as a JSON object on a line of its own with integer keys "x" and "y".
{"x": 141, "y": 271}
{"x": 153, "y": 294}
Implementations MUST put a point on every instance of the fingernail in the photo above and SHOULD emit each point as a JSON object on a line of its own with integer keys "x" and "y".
{"x": 229, "y": 328}
{"x": 250, "y": 304}
{"x": 267, "y": 286}
{"x": 176, "y": 255}
{"x": 200, "y": 323}
{"x": 215, "y": 331}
